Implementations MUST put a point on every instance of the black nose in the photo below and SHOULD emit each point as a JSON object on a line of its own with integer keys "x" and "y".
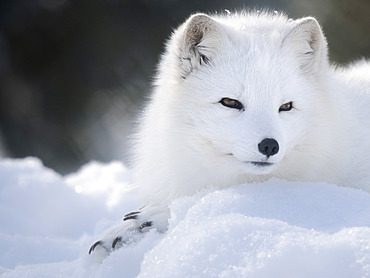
{"x": 268, "y": 147}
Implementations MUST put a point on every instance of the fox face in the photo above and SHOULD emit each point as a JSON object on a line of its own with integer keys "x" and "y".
{"x": 250, "y": 120}
{"x": 247, "y": 94}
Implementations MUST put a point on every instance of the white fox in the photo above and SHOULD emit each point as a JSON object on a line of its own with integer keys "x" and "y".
{"x": 242, "y": 98}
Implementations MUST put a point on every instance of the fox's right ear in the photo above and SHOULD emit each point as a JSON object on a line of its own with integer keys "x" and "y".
{"x": 309, "y": 44}
{"x": 200, "y": 41}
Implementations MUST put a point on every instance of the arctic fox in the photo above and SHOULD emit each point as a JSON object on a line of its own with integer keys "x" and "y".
{"x": 242, "y": 98}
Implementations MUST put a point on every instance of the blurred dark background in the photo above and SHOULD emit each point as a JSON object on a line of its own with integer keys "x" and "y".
{"x": 74, "y": 74}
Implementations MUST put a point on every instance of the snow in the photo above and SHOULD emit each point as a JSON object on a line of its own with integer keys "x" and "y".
{"x": 271, "y": 229}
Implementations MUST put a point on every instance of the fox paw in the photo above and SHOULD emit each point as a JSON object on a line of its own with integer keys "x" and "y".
{"x": 134, "y": 225}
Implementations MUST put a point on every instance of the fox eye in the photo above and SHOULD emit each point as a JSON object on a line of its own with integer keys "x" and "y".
{"x": 231, "y": 103}
{"x": 286, "y": 107}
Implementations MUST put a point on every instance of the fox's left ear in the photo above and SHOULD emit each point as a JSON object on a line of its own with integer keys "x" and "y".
{"x": 201, "y": 38}
{"x": 307, "y": 41}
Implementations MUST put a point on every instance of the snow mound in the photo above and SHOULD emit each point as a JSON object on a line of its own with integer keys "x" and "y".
{"x": 271, "y": 229}
{"x": 43, "y": 218}
{"x": 261, "y": 230}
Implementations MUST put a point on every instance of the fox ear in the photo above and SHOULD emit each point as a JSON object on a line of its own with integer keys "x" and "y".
{"x": 200, "y": 41}
{"x": 309, "y": 44}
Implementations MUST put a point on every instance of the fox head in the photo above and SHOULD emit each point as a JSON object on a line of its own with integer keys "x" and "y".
{"x": 240, "y": 92}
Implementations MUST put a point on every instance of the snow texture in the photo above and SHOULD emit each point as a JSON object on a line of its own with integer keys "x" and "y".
{"x": 271, "y": 229}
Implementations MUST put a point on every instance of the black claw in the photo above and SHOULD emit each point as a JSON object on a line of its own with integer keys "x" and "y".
{"x": 115, "y": 241}
{"x": 131, "y": 215}
{"x": 146, "y": 224}
{"x": 92, "y": 248}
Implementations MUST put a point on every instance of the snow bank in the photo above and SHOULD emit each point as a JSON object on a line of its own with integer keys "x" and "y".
{"x": 271, "y": 229}
{"x": 43, "y": 218}
{"x": 261, "y": 230}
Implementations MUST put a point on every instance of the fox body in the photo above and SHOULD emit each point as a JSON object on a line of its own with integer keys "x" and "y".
{"x": 243, "y": 98}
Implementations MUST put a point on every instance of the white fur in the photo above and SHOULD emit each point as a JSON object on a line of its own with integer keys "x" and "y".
{"x": 189, "y": 141}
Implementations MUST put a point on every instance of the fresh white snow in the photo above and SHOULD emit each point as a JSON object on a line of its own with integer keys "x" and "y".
{"x": 271, "y": 229}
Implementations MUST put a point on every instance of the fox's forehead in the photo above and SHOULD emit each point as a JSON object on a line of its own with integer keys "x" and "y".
{"x": 261, "y": 25}
{"x": 266, "y": 44}
{"x": 253, "y": 82}
{"x": 252, "y": 36}
{"x": 252, "y": 66}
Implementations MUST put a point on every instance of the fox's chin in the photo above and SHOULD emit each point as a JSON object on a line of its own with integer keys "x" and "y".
{"x": 258, "y": 168}
{"x": 261, "y": 164}
{"x": 254, "y": 167}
